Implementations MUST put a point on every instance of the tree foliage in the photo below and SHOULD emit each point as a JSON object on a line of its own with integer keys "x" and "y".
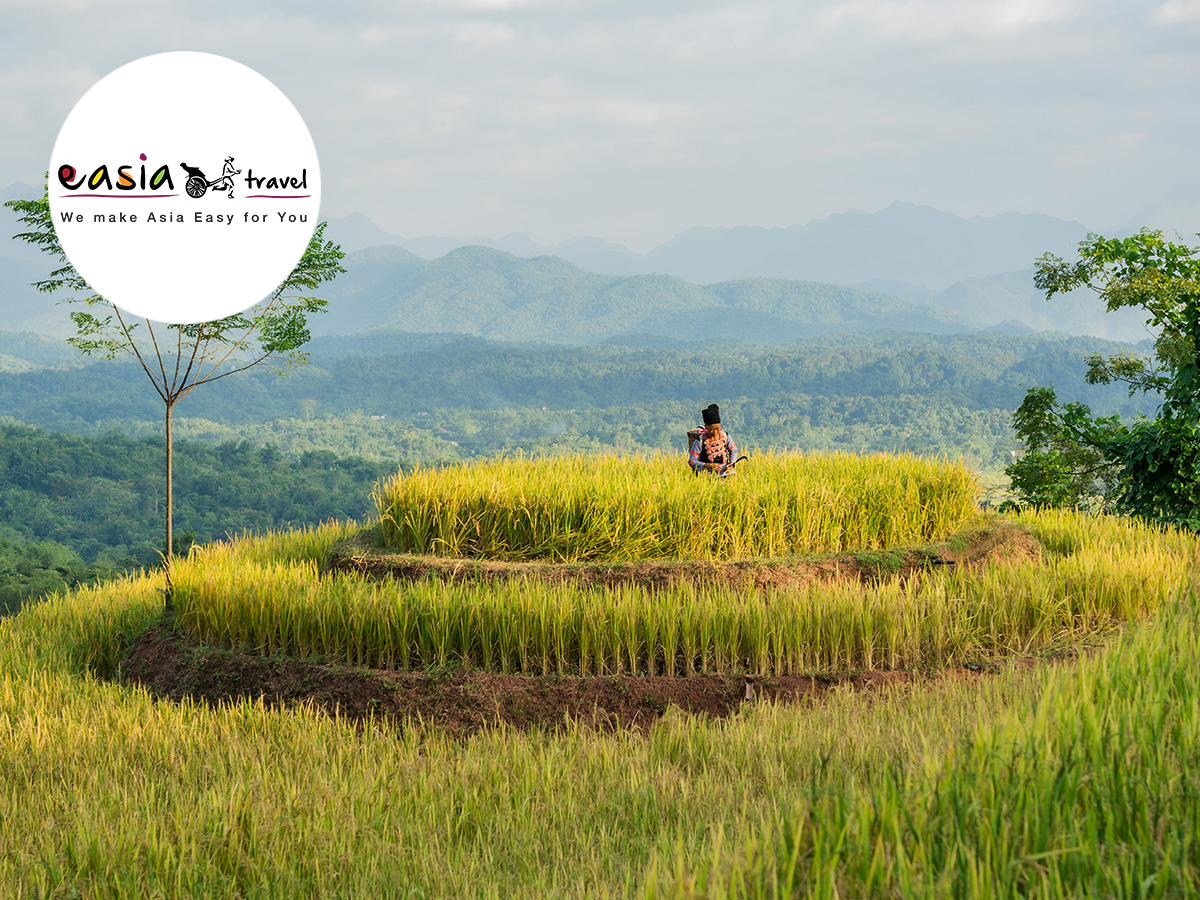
{"x": 1150, "y": 468}
{"x": 179, "y": 358}
{"x": 1063, "y": 464}
{"x": 272, "y": 331}
{"x": 102, "y": 496}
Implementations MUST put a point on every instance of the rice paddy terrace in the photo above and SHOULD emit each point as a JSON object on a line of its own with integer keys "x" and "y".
{"x": 580, "y": 676}
{"x": 605, "y": 589}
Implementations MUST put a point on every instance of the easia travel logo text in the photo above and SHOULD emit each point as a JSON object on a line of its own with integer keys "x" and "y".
{"x": 196, "y": 184}
{"x": 228, "y": 192}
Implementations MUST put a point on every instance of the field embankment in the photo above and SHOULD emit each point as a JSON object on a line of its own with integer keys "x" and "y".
{"x": 1092, "y": 575}
{"x": 990, "y": 539}
{"x": 463, "y": 701}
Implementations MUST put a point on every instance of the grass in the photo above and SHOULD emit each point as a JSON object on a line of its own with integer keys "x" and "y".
{"x": 1097, "y": 574}
{"x": 571, "y": 508}
{"x": 1086, "y": 787}
{"x": 1076, "y": 780}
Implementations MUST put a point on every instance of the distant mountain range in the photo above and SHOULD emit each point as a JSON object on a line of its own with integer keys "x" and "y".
{"x": 950, "y": 273}
{"x": 906, "y": 268}
{"x": 978, "y": 268}
{"x": 915, "y": 246}
{"x": 489, "y": 293}
{"x": 492, "y": 294}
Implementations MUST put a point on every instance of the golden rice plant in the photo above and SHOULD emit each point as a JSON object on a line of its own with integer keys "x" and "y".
{"x": 1084, "y": 789}
{"x": 1056, "y": 781}
{"x": 1118, "y": 571}
{"x": 93, "y": 637}
{"x": 310, "y": 542}
{"x": 617, "y": 507}
{"x": 111, "y": 792}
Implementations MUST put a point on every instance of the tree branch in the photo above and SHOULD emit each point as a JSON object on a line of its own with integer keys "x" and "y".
{"x": 131, "y": 347}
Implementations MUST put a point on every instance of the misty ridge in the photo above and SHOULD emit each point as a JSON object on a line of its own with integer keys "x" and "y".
{"x": 915, "y": 246}
{"x": 907, "y": 268}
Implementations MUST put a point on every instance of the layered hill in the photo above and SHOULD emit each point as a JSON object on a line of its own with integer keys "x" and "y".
{"x": 489, "y": 293}
{"x": 911, "y": 245}
{"x": 906, "y": 268}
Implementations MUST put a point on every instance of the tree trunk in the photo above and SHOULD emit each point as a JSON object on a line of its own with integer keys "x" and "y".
{"x": 170, "y": 507}
{"x": 170, "y": 543}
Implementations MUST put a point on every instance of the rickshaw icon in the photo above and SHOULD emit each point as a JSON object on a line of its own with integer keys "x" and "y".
{"x": 197, "y": 183}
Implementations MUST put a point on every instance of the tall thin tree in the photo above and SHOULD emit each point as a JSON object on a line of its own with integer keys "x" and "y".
{"x": 179, "y": 358}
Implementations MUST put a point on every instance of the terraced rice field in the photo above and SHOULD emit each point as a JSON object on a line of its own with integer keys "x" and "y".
{"x": 995, "y": 707}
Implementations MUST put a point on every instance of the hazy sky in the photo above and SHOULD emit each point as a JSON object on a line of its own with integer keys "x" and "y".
{"x": 633, "y": 120}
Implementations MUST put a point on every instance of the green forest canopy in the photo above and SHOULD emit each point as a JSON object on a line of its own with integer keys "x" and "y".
{"x": 450, "y": 397}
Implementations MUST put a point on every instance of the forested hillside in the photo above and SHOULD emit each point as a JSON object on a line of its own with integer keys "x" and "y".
{"x": 436, "y": 397}
{"x": 484, "y": 292}
{"x": 102, "y": 496}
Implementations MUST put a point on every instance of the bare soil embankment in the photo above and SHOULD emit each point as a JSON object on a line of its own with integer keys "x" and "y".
{"x": 462, "y": 701}
{"x": 364, "y": 555}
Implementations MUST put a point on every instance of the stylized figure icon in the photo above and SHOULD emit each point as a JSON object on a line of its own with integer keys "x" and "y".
{"x": 197, "y": 183}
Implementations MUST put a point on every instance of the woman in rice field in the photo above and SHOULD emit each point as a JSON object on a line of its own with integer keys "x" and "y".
{"x": 713, "y": 450}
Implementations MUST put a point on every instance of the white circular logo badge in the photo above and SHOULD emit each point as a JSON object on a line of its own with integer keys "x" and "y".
{"x": 184, "y": 187}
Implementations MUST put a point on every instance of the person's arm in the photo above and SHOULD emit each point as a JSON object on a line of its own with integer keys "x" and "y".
{"x": 694, "y": 456}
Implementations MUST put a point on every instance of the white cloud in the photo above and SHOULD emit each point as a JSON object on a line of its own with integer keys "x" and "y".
{"x": 558, "y": 101}
{"x": 633, "y": 118}
{"x": 71, "y": 7}
{"x": 485, "y": 34}
{"x": 482, "y": 5}
{"x": 942, "y": 21}
{"x": 1175, "y": 12}
{"x": 630, "y": 112}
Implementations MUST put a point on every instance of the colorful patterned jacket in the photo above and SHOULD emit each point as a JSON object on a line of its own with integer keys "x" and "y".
{"x": 701, "y": 454}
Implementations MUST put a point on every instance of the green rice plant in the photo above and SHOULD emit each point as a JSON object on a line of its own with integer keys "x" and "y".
{"x": 641, "y": 507}
{"x": 1121, "y": 571}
